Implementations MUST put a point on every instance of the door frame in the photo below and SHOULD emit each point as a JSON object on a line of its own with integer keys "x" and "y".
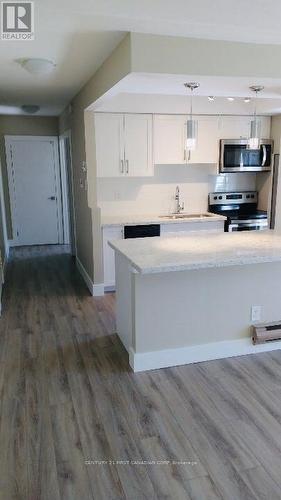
{"x": 4, "y": 220}
{"x": 9, "y": 140}
{"x": 69, "y": 219}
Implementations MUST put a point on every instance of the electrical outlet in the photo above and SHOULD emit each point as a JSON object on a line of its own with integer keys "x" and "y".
{"x": 256, "y": 313}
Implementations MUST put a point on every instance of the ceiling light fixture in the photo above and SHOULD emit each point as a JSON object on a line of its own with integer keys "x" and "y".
{"x": 247, "y": 99}
{"x": 211, "y": 98}
{"x": 230, "y": 99}
{"x": 31, "y": 109}
{"x": 37, "y": 66}
{"x": 255, "y": 134}
{"x": 191, "y": 124}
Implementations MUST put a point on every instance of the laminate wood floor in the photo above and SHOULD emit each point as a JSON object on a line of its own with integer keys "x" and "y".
{"x": 77, "y": 424}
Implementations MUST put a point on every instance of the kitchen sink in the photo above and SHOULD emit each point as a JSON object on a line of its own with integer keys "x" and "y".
{"x": 186, "y": 216}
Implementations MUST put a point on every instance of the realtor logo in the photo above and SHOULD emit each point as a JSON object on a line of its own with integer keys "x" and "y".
{"x": 17, "y": 21}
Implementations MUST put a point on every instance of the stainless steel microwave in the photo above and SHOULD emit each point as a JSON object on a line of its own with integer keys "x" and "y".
{"x": 236, "y": 157}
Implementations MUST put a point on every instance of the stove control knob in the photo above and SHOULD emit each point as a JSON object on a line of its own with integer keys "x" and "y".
{"x": 220, "y": 197}
{"x": 248, "y": 196}
{"x": 215, "y": 197}
{"x": 252, "y": 195}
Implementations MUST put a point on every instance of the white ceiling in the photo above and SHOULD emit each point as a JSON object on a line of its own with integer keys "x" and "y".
{"x": 79, "y": 36}
{"x": 178, "y": 104}
{"x": 160, "y": 93}
{"x": 151, "y": 83}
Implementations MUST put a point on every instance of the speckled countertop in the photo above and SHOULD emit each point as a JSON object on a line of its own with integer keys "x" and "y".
{"x": 154, "y": 255}
{"x": 123, "y": 220}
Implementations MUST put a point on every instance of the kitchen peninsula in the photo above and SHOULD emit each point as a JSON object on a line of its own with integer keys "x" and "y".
{"x": 189, "y": 298}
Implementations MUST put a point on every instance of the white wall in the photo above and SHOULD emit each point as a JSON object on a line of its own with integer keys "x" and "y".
{"x": 156, "y": 194}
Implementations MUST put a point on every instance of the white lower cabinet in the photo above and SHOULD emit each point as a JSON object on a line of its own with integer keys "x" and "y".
{"x": 110, "y": 233}
{"x": 183, "y": 228}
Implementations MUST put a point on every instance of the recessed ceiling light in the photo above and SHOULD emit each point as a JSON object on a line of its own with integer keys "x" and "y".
{"x": 37, "y": 66}
{"x": 31, "y": 109}
{"x": 247, "y": 99}
{"x": 230, "y": 99}
{"x": 211, "y": 98}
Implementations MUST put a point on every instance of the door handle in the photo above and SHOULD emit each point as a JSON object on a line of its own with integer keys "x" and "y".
{"x": 53, "y": 198}
{"x": 122, "y": 166}
{"x": 127, "y": 166}
{"x": 264, "y": 155}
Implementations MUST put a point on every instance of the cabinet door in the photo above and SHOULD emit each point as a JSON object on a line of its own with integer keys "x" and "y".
{"x": 109, "y": 131}
{"x": 265, "y": 127}
{"x": 184, "y": 228}
{"x": 234, "y": 127}
{"x": 168, "y": 139}
{"x": 110, "y": 233}
{"x": 207, "y": 149}
{"x": 138, "y": 145}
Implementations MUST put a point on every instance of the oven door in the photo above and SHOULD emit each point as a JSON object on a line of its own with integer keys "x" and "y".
{"x": 250, "y": 225}
{"x": 236, "y": 157}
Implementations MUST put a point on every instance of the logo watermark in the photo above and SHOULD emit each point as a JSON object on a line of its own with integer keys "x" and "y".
{"x": 17, "y": 21}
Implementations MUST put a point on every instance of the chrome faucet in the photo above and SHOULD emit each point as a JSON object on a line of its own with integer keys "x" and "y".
{"x": 179, "y": 206}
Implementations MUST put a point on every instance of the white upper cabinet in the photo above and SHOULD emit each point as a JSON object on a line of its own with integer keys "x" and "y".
{"x": 138, "y": 145}
{"x": 123, "y": 145}
{"x": 207, "y": 149}
{"x": 234, "y": 127}
{"x": 266, "y": 127}
{"x": 238, "y": 127}
{"x": 168, "y": 139}
{"x": 109, "y": 132}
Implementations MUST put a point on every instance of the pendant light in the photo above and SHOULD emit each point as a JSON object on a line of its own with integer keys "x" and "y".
{"x": 191, "y": 124}
{"x": 255, "y": 133}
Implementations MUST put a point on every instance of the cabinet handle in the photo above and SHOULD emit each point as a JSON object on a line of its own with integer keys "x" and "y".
{"x": 122, "y": 166}
{"x": 127, "y": 166}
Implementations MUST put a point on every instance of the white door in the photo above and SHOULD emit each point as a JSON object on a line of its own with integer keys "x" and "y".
{"x": 109, "y": 130}
{"x": 168, "y": 139}
{"x": 138, "y": 145}
{"x": 34, "y": 190}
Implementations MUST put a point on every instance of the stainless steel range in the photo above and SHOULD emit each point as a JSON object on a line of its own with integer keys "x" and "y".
{"x": 241, "y": 210}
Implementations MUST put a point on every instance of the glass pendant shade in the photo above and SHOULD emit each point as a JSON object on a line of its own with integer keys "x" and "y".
{"x": 255, "y": 134}
{"x": 191, "y": 134}
{"x": 191, "y": 124}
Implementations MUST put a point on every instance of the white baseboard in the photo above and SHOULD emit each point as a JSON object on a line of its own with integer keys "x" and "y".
{"x": 96, "y": 290}
{"x": 194, "y": 354}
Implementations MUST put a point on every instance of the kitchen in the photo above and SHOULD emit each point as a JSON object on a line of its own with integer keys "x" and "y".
{"x": 180, "y": 175}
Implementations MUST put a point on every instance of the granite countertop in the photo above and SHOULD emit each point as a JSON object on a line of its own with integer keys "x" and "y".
{"x": 122, "y": 220}
{"x": 154, "y": 255}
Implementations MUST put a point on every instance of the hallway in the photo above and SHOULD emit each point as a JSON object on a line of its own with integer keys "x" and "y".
{"x": 69, "y": 402}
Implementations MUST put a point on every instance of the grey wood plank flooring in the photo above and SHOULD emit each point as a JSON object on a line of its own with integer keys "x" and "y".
{"x": 77, "y": 424}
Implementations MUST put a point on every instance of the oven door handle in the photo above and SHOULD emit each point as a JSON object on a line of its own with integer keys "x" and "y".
{"x": 249, "y": 224}
{"x": 264, "y": 155}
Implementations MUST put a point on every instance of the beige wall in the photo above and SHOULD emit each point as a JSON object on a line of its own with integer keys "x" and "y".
{"x": 21, "y": 125}
{"x": 187, "y": 56}
{"x": 79, "y": 122}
